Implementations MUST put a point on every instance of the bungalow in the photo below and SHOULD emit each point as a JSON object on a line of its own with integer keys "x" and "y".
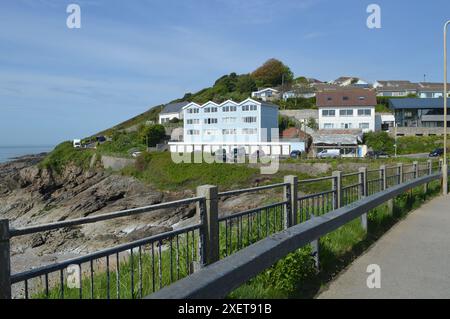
{"x": 345, "y": 80}
{"x": 172, "y": 111}
{"x": 431, "y": 90}
{"x": 395, "y": 88}
{"x": 266, "y": 94}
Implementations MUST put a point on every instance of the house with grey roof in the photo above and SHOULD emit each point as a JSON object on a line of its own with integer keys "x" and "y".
{"x": 395, "y": 88}
{"x": 430, "y": 90}
{"x": 172, "y": 111}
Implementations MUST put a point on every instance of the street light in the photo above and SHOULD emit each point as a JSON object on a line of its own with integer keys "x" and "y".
{"x": 444, "y": 164}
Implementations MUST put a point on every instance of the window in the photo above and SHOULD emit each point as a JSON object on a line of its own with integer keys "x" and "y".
{"x": 249, "y": 119}
{"x": 328, "y": 113}
{"x": 251, "y": 107}
{"x": 345, "y": 98}
{"x": 210, "y": 109}
{"x": 192, "y": 111}
{"x": 193, "y": 132}
{"x": 211, "y": 121}
{"x": 231, "y": 108}
{"x": 361, "y": 98}
{"x": 364, "y": 126}
{"x": 229, "y": 131}
{"x": 209, "y": 132}
{"x": 364, "y": 112}
{"x": 346, "y": 112}
{"x": 328, "y": 126}
{"x": 193, "y": 121}
{"x": 229, "y": 120}
{"x": 329, "y": 98}
{"x": 346, "y": 125}
{"x": 249, "y": 131}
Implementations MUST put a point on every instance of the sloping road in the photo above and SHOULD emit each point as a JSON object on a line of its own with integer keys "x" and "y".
{"x": 414, "y": 259}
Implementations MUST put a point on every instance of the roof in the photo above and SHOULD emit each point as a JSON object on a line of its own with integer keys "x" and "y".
{"x": 394, "y": 82}
{"x": 265, "y": 89}
{"x": 417, "y": 103}
{"x": 227, "y": 102}
{"x": 396, "y": 85}
{"x": 174, "y": 107}
{"x": 348, "y": 97}
{"x": 294, "y": 132}
{"x": 431, "y": 86}
{"x": 335, "y": 137}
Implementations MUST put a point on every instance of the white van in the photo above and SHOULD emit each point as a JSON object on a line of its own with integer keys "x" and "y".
{"x": 332, "y": 153}
{"x": 76, "y": 143}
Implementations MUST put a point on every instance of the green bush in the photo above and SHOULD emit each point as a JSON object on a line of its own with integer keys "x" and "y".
{"x": 380, "y": 141}
{"x": 65, "y": 154}
{"x": 290, "y": 271}
{"x": 121, "y": 143}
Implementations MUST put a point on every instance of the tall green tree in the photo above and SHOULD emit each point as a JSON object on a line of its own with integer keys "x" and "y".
{"x": 272, "y": 73}
{"x": 152, "y": 134}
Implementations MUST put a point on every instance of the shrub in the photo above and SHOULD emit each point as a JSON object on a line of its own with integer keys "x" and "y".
{"x": 379, "y": 141}
{"x": 289, "y": 272}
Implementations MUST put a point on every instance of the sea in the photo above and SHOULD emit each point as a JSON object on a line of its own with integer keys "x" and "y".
{"x": 7, "y": 153}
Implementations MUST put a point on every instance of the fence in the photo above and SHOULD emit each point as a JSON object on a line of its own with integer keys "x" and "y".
{"x": 219, "y": 279}
{"x": 142, "y": 267}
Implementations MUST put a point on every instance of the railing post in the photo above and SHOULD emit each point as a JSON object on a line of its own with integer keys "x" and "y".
{"x": 337, "y": 187}
{"x": 400, "y": 172}
{"x": 5, "y": 260}
{"x": 383, "y": 182}
{"x": 363, "y": 192}
{"x": 208, "y": 213}
{"x": 444, "y": 182}
{"x": 383, "y": 186}
{"x": 291, "y": 195}
{"x": 429, "y": 172}
{"x": 416, "y": 169}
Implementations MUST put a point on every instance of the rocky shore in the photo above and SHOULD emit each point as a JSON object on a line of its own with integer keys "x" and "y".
{"x": 31, "y": 195}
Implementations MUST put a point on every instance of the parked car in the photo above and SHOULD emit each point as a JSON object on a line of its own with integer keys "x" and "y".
{"x": 136, "y": 154}
{"x": 100, "y": 139}
{"x": 295, "y": 154}
{"x": 377, "y": 154}
{"x": 437, "y": 152}
{"x": 332, "y": 153}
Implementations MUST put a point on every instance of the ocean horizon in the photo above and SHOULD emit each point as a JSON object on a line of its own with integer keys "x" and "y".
{"x": 8, "y": 153}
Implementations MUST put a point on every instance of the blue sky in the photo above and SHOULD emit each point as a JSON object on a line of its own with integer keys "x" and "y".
{"x": 58, "y": 83}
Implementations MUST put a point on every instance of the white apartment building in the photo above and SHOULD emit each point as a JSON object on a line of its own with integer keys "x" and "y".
{"x": 249, "y": 124}
{"x": 347, "y": 109}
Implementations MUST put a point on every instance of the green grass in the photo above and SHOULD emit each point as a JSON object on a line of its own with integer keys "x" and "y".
{"x": 64, "y": 154}
{"x": 418, "y": 144}
{"x": 121, "y": 144}
{"x": 159, "y": 170}
{"x": 337, "y": 250}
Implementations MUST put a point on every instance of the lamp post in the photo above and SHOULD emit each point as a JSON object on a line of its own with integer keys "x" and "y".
{"x": 444, "y": 164}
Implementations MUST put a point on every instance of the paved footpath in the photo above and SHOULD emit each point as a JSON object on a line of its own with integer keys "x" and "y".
{"x": 414, "y": 258}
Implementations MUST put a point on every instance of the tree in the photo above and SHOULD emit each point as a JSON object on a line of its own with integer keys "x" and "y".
{"x": 246, "y": 84}
{"x": 272, "y": 73}
{"x": 312, "y": 123}
{"x": 285, "y": 122}
{"x": 152, "y": 134}
{"x": 379, "y": 141}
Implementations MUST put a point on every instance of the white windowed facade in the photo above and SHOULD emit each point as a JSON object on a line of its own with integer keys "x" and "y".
{"x": 347, "y": 118}
{"x": 229, "y": 122}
